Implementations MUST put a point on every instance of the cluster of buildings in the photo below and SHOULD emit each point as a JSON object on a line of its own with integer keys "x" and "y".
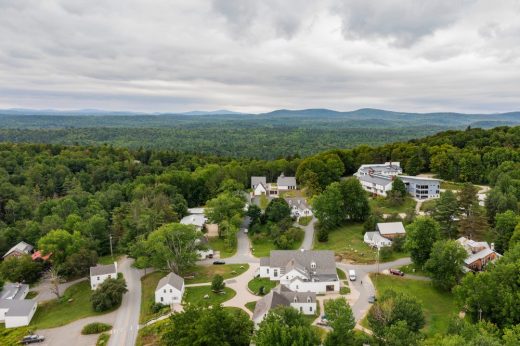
{"x": 378, "y": 178}
{"x": 480, "y": 253}
{"x": 302, "y": 274}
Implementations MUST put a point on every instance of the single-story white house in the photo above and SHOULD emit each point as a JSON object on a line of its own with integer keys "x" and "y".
{"x": 305, "y": 302}
{"x": 302, "y": 270}
{"x": 197, "y": 220}
{"x": 100, "y": 273}
{"x": 170, "y": 290}
{"x": 15, "y": 311}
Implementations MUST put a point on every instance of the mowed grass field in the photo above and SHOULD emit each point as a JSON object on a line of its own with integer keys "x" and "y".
{"x": 439, "y": 307}
{"x": 347, "y": 242}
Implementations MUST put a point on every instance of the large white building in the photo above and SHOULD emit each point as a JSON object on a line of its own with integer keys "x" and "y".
{"x": 170, "y": 290}
{"x": 15, "y": 310}
{"x": 378, "y": 179}
{"x": 100, "y": 273}
{"x": 302, "y": 270}
{"x": 305, "y": 302}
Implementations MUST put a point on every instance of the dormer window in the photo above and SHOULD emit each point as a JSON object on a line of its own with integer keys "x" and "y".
{"x": 295, "y": 299}
{"x": 313, "y": 265}
{"x": 308, "y": 299}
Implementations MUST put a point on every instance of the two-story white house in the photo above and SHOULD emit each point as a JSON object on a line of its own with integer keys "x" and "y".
{"x": 100, "y": 273}
{"x": 305, "y": 302}
{"x": 170, "y": 290}
{"x": 302, "y": 270}
{"x": 384, "y": 234}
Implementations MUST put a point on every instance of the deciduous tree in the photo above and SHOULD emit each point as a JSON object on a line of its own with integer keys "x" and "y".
{"x": 445, "y": 264}
{"x": 420, "y": 237}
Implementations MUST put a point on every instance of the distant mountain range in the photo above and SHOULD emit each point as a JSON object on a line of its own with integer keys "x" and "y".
{"x": 28, "y": 111}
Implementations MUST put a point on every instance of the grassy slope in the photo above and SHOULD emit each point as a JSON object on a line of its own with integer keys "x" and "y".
{"x": 148, "y": 286}
{"x": 438, "y": 306}
{"x": 387, "y": 208}
{"x": 347, "y": 242}
{"x": 255, "y": 284}
{"x": 206, "y": 273}
{"x": 58, "y": 313}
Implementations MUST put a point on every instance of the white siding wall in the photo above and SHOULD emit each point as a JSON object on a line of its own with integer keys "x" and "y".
{"x": 267, "y": 272}
{"x": 305, "y": 308}
{"x": 2, "y": 314}
{"x": 309, "y": 286}
{"x": 171, "y": 296}
{"x": 97, "y": 280}
{"x": 19, "y": 321}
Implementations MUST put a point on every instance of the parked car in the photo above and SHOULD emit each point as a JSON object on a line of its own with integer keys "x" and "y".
{"x": 396, "y": 272}
{"x": 32, "y": 339}
{"x": 372, "y": 299}
{"x": 352, "y": 275}
{"x": 219, "y": 262}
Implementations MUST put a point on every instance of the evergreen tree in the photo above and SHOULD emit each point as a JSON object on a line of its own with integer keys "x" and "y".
{"x": 447, "y": 209}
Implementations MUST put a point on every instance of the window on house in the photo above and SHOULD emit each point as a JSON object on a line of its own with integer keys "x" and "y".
{"x": 313, "y": 265}
{"x": 310, "y": 308}
{"x": 301, "y": 309}
{"x": 267, "y": 270}
{"x": 164, "y": 291}
{"x": 171, "y": 290}
{"x": 276, "y": 272}
{"x": 98, "y": 278}
{"x": 162, "y": 299}
{"x": 308, "y": 299}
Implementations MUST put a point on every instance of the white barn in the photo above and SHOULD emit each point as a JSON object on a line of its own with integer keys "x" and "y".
{"x": 100, "y": 273}
{"x": 170, "y": 290}
{"x": 302, "y": 270}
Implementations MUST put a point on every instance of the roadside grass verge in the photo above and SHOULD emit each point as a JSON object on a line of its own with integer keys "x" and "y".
{"x": 255, "y": 284}
{"x": 304, "y": 220}
{"x": 194, "y": 295}
{"x": 218, "y": 244}
{"x": 439, "y": 307}
{"x": 347, "y": 242}
{"x": 73, "y": 305}
{"x": 412, "y": 269}
{"x": 251, "y": 306}
{"x": 203, "y": 274}
{"x": 103, "y": 339}
{"x": 341, "y": 274}
{"x": 12, "y": 336}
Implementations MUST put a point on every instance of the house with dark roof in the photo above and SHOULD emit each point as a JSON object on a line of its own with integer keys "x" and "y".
{"x": 302, "y": 270}
{"x": 20, "y": 249}
{"x": 100, "y": 273}
{"x": 170, "y": 290}
{"x": 305, "y": 302}
{"x": 299, "y": 207}
{"x": 259, "y": 185}
{"x": 15, "y": 310}
{"x": 480, "y": 253}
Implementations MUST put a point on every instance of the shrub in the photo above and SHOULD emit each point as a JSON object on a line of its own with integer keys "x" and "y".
{"x": 217, "y": 284}
{"x": 323, "y": 235}
{"x": 95, "y": 328}
{"x": 304, "y": 220}
{"x": 398, "y": 244}
{"x": 385, "y": 253}
{"x": 109, "y": 294}
{"x": 156, "y": 307}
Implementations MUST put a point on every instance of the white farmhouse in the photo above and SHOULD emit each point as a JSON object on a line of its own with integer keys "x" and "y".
{"x": 385, "y": 232}
{"x": 100, "y": 273}
{"x": 305, "y": 302}
{"x": 170, "y": 290}
{"x": 15, "y": 311}
{"x": 302, "y": 270}
{"x": 260, "y": 187}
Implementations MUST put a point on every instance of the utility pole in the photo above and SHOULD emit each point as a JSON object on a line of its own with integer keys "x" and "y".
{"x": 378, "y": 260}
{"x": 111, "y": 252}
{"x": 480, "y": 314}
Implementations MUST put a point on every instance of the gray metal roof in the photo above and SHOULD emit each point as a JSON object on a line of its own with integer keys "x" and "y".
{"x": 171, "y": 279}
{"x": 258, "y": 180}
{"x": 14, "y": 291}
{"x": 102, "y": 269}
{"x": 17, "y": 307}
{"x": 264, "y": 261}
{"x": 376, "y": 179}
{"x": 21, "y": 247}
{"x": 391, "y": 228}
{"x": 286, "y": 181}
{"x": 324, "y": 260}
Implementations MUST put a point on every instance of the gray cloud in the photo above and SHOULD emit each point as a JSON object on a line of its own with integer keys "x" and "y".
{"x": 260, "y": 55}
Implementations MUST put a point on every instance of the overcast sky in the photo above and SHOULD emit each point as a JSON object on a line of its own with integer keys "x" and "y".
{"x": 260, "y": 55}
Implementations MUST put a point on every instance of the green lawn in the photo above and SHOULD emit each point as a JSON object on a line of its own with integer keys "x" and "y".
{"x": 341, "y": 274}
{"x": 218, "y": 244}
{"x": 263, "y": 247}
{"x": 150, "y": 335}
{"x": 386, "y": 207}
{"x": 12, "y": 336}
{"x": 195, "y": 295}
{"x": 206, "y": 273}
{"x": 103, "y": 339}
{"x": 148, "y": 286}
{"x": 255, "y": 284}
{"x": 451, "y": 185}
{"x": 439, "y": 307}
{"x": 414, "y": 270}
{"x": 347, "y": 242}
{"x": 58, "y": 313}
{"x": 108, "y": 259}
{"x": 304, "y": 220}
{"x": 251, "y": 306}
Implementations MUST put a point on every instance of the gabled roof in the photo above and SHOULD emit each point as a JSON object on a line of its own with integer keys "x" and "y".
{"x": 258, "y": 180}
{"x": 268, "y": 302}
{"x": 479, "y": 255}
{"x": 21, "y": 247}
{"x": 376, "y": 238}
{"x": 293, "y": 265}
{"x": 376, "y": 179}
{"x": 286, "y": 181}
{"x": 324, "y": 260}
{"x": 102, "y": 269}
{"x": 301, "y": 297}
{"x": 171, "y": 279}
{"x": 17, "y": 307}
{"x": 14, "y": 291}
{"x": 391, "y": 228}
{"x": 298, "y": 202}
{"x": 196, "y": 219}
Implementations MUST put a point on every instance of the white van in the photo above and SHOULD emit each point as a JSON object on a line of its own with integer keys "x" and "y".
{"x": 352, "y": 275}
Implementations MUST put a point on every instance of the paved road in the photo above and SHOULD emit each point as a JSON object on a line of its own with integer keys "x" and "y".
{"x": 243, "y": 254}
{"x": 309, "y": 234}
{"x": 126, "y": 325}
{"x": 363, "y": 285}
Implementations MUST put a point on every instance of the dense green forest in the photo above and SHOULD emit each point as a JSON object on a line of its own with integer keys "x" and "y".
{"x": 266, "y": 136}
